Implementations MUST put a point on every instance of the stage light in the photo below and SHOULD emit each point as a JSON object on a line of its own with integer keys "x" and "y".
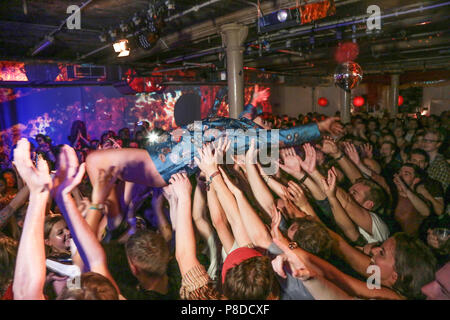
{"x": 112, "y": 34}
{"x": 153, "y": 137}
{"x": 282, "y": 15}
{"x": 120, "y": 46}
{"x": 123, "y": 27}
{"x": 170, "y": 4}
{"x": 124, "y": 53}
{"x": 280, "y": 19}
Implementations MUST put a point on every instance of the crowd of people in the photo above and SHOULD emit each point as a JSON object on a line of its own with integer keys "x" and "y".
{"x": 373, "y": 193}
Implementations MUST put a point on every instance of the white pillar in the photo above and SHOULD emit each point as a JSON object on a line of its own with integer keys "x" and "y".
{"x": 233, "y": 36}
{"x": 393, "y": 95}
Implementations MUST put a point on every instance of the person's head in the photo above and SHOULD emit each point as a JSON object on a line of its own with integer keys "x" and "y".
{"x": 41, "y": 139}
{"x": 93, "y": 286}
{"x": 8, "y": 253}
{"x": 413, "y": 124}
{"x": 311, "y": 236}
{"x": 94, "y": 144}
{"x": 124, "y": 134}
{"x": 56, "y": 234}
{"x": 420, "y": 158}
{"x": 399, "y": 132}
{"x": 373, "y": 138}
{"x": 147, "y": 254}
{"x": 248, "y": 275}
{"x": 387, "y": 149}
{"x": 439, "y": 288}
{"x": 368, "y": 194}
{"x": 372, "y": 124}
{"x": 78, "y": 126}
{"x": 410, "y": 174}
{"x": 388, "y": 137}
{"x": 406, "y": 264}
{"x": 10, "y": 177}
{"x": 432, "y": 140}
{"x": 187, "y": 109}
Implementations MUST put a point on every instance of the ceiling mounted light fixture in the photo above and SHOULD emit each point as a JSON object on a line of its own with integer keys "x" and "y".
{"x": 122, "y": 48}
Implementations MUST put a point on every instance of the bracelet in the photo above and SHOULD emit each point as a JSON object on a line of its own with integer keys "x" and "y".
{"x": 97, "y": 206}
{"x": 340, "y": 157}
{"x": 303, "y": 179}
{"x": 208, "y": 183}
{"x": 293, "y": 245}
{"x": 266, "y": 178}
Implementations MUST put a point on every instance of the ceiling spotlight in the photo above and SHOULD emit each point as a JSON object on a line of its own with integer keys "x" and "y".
{"x": 102, "y": 37}
{"x": 282, "y": 15}
{"x": 122, "y": 47}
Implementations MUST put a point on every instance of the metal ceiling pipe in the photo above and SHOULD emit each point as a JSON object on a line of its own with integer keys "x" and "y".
{"x": 349, "y": 22}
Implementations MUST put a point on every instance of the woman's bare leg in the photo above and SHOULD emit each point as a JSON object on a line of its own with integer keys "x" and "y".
{"x": 134, "y": 165}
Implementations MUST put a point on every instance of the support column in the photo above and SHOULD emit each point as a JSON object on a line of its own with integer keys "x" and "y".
{"x": 345, "y": 107}
{"x": 233, "y": 36}
{"x": 393, "y": 95}
{"x": 314, "y": 99}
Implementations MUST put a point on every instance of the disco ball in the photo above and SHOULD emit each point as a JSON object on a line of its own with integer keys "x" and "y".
{"x": 347, "y": 75}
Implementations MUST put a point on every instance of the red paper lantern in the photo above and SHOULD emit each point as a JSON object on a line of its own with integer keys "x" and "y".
{"x": 323, "y": 102}
{"x": 358, "y": 101}
{"x": 400, "y": 100}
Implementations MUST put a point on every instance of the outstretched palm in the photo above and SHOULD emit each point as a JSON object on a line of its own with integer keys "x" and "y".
{"x": 37, "y": 178}
{"x": 69, "y": 173}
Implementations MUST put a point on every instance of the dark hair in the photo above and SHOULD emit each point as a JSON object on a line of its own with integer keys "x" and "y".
{"x": 436, "y": 132}
{"x": 94, "y": 286}
{"x": 77, "y": 125}
{"x": 187, "y": 109}
{"x": 415, "y": 265}
{"x": 252, "y": 279}
{"x": 421, "y": 152}
{"x": 149, "y": 252}
{"x": 418, "y": 173}
{"x": 313, "y": 237}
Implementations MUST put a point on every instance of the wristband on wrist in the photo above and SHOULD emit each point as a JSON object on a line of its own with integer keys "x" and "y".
{"x": 97, "y": 206}
{"x": 208, "y": 183}
{"x": 266, "y": 178}
{"x": 303, "y": 179}
{"x": 340, "y": 157}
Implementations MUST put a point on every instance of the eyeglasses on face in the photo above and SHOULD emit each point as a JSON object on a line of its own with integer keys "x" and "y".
{"x": 430, "y": 141}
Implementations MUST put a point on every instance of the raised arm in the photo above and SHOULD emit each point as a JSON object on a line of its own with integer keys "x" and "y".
{"x": 260, "y": 190}
{"x": 256, "y": 229}
{"x": 358, "y": 214}
{"x": 418, "y": 203}
{"x": 340, "y": 216}
{"x": 70, "y": 175}
{"x": 18, "y": 201}
{"x": 208, "y": 164}
{"x": 29, "y": 274}
{"x": 185, "y": 251}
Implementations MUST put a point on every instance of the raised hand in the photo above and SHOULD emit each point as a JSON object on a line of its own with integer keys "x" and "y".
{"x": 260, "y": 95}
{"x": 297, "y": 266}
{"x": 233, "y": 188}
{"x": 275, "y": 225}
{"x": 330, "y": 147}
{"x": 297, "y": 194}
{"x": 309, "y": 164}
{"x": 221, "y": 148}
{"x": 207, "y": 162}
{"x": 181, "y": 186}
{"x": 368, "y": 150}
{"x": 352, "y": 153}
{"x": 103, "y": 184}
{"x": 291, "y": 163}
{"x": 69, "y": 173}
{"x": 292, "y": 210}
{"x": 252, "y": 153}
{"x": 37, "y": 178}
{"x": 331, "y": 125}
{"x": 329, "y": 185}
{"x": 401, "y": 186}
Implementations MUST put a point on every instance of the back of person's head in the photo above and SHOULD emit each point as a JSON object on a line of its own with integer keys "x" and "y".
{"x": 187, "y": 109}
{"x": 415, "y": 265}
{"x": 311, "y": 236}
{"x": 8, "y": 253}
{"x": 148, "y": 252}
{"x": 93, "y": 286}
{"x": 252, "y": 279}
{"x": 248, "y": 275}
